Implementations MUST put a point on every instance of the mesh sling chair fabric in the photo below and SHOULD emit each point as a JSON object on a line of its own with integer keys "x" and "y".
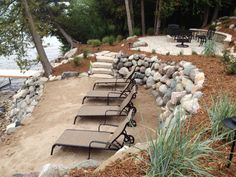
{"x": 115, "y": 80}
{"x": 108, "y": 110}
{"x": 107, "y": 95}
{"x": 97, "y": 139}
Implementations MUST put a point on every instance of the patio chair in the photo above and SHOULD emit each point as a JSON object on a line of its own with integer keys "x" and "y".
{"x": 97, "y": 139}
{"x": 204, "y": 37}
{"x": 115, "y": 81}
{"x": 108, "y": 110}
{"x": 107, "y": 95}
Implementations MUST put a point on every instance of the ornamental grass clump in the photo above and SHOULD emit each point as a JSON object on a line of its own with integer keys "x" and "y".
{"x": 209, "y": 48}
{"x": 178, "y": 152}
{"x": 222, "y": 107}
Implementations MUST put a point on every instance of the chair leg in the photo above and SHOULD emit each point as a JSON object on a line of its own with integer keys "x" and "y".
{"x": 75, "y": 118}
{"x": 89, "y": 153}
{"x": 84, "y": 99}
{"x": 53, "y": 146}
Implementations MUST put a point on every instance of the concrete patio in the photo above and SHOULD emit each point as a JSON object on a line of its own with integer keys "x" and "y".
{"x": 164, "y": 45}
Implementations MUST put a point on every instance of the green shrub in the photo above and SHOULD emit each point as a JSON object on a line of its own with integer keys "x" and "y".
{"x": 153, "y": 51}
{"x": 229, "y": 62}
{"x": 224, "y": 18}
{"x": 108, "y": 40}
{"x": 222, "y": 107}
{"x": 85, "y": 52}
{"x": 94, "y": 42}
{"x": 77, "y": 60}
{"x": 209, "y": 48}
{"x": 177, "y": 153}
{"x": 150, "y": 31}
{"x": 119, "y": 38}
{"x": 137, "y": 31}
{"x": 167, "y": 53}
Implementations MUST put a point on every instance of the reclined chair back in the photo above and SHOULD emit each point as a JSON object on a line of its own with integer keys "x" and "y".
{"x": 128, "y": 99}
{"x": 120, "y": 130}
{"x": 128, "y": 87}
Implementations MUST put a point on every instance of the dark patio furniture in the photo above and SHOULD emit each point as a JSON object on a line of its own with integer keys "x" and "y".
{"x": 183, "y": 37}
{"x": 204, "y": 37}
{"x": 231, "y": 123}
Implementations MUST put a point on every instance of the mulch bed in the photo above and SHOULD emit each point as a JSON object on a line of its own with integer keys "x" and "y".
{"x": 217, "y": 81}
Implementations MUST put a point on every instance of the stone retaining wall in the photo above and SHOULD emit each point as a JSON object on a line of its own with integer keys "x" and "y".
{"x": 174, "y": 85}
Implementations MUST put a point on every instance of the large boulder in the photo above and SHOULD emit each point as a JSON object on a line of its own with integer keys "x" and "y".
{"x": 139, "y": 44}
{"x": 148, "y": 72}
{"x": 157, "y": 76}
{"x": 124, "y": 71}
{"x": 69, "y": 74}
{"x": 177, "y": 96}
{"x": 188, "y": 84}
{"x": 150, "y": 81}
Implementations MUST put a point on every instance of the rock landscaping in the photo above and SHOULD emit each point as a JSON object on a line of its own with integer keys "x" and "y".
{"x": 175, "y": 85}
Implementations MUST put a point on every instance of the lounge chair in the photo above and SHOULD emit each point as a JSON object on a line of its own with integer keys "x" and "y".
{"x": 115, "y": 81}
{"x": 107, "y": 95}
{"x": 108, "y": 110}
{"x": 97, "y": 139}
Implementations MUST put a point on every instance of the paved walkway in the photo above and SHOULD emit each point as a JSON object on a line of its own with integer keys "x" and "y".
{"x": 163, "y": 45}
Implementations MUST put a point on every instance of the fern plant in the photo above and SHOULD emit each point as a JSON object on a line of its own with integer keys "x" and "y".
{"x": 209, "y": 48}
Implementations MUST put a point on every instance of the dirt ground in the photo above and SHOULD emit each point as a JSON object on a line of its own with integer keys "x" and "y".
{"x": 28, "y": 149}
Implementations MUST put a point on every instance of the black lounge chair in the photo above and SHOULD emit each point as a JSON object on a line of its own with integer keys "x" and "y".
{"x": 97, "y": 139}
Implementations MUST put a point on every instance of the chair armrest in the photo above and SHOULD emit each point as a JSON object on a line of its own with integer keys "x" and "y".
{"x": 111, "y": 111}
{"x": 104, "y": 124}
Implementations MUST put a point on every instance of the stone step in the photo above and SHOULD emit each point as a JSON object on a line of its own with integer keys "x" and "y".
{"x": 101, "y": 71}
{"x": 110, "y": 54}
{"x": 105, "y": 59}
{"x": 102, "y": 65}
{"x": 105, "y": 76}
{"x": 102, "y": 53}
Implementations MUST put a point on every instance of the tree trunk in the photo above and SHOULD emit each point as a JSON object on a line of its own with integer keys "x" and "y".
{"x": 128, "y": 18}
{"x": 158, "y": 22}
{"x": 205, "y": 17}
{"x": 215, "y": 13}
{"x": 73, "y": 43}
{"x": 131, "y": 7}
{"x": 37, "y": 40}
{"x": 143, "y": 17}
{"x": 155, "y": 14}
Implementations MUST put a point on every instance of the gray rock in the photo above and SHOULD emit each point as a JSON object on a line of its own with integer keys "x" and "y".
{"x": 131, "y": 57}
{"x": 134, "y": 62}
{"x": 128, "y": 64}
{"x": 116, "y": 60}
{"x": 87, "y": 163}
{"x": 50, "y": 170}
{"x": 170, "y": 106}
{"x": 148, "y": 72}
{"x": 29, "y": 109}
{"x": 22, "y": 104}
{"x": 31, "y": 89}
{"x": 170, "y": 71}
{"x": 139, "y": 81}
{"x": 124, "y": 71}
{"x": 150, "y": 82}
{"x": 69, "y": 74}
{"x": 11, "y": 128}
{"x": 177, "y": 96}
{"x": 42, "y": 80}
{"x": 139, "y": 75}
{"x": 163, "y": 89}
{"x": 145, "y": 79}
{"x": 136, "y": 56}
{"x": 154, "y": 59}
{"x": 159, "y": 101}
{"x": 164, "y": 79}
{"x": 188, "y": 84}
{"x": 29, "y": 82}
{"x": 142, "y": 56}
{"x": 188, "y": 69}
{"x": 20, "y": 94}
{"x": 155, "y": 93}
{"x": 140, "y": 62}
{"x": 142, "y": 69}
{"x": 199, "y": 78}
{"x": 197, "y": 94}
{"x": 137, "y": 69}
{"x": 179, "y": 87}
{"x": 146, "y": 64}
{"x": 191, "y": 105}
{"x": 156, "y": 66}
{"x": 231, "y": 26}
{"x": 120, "y": 65}
{"x": 124, "y": 60}
{"x": 153, "y": 72}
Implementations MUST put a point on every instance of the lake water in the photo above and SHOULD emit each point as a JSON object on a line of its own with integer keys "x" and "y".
{"x": 52, "y": 50}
